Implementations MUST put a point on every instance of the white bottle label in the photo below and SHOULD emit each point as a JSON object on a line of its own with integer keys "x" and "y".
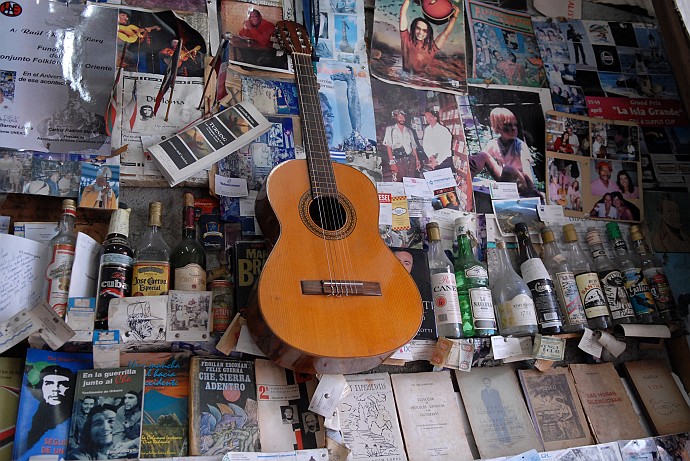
{"x": 533, "y": 269}
{"x": 482, "y": 305}
{"x": 476, "y": 272}
{"x": 517, "y": 312}
{"x": 446, "y": 303}
{"x": 191, "y": 277}
{"x": 58, "y": 274}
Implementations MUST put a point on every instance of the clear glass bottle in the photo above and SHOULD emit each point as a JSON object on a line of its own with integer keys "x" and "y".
{"x": 472, "y": 282}
{"x": 587, "y": 280}
{"x": 654, "y": 273}
{"x": 443, "y": 286}
{"x": 539, "y": 282}
{"x": 59, "y": 270}
{"x": 638, "y": 290}
{"x": 515, "y": 311}
{"x": 612, "y": 282}
{"x": 115, "y": 271}
{"x": 189, "y": 258}
{"x": 572, "y": 310}
{"x": 151, "y": 274}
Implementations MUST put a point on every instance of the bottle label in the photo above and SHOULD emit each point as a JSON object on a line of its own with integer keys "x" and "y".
{"x": 517, "y": 312}
{"x": 476, "y": 272}
{"x": 599, "y": 253}
{"x": 446, "y": 303}
{"x": 117, "y": 259}
{"x": 113, "y": 283}
{"x": 592, "y": 295}
{"x": 640, "y": 295}
{"x": 545, "y": 302}
{"x": 567, "y": 287}
{"x": 58, "y": 274}
{"x": 150, "y": 278}
{"x": 533, "y": 269}
{"x": 613, "y": 285}
{"x": 661, "y": 291}
{"x": 482, "y": 308}
{"x": 191, "y": 277}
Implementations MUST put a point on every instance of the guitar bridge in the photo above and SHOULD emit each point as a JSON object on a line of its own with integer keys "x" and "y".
{"x": 340, "y": 288}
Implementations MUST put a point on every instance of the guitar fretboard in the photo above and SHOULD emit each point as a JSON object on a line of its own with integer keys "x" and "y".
{"x": 315, "y": 141}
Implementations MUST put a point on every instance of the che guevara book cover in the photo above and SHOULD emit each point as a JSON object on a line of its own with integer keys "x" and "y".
{"x": 166, "y": 404}
{"x": 45, "y": 402}
{"x": 223, "y": 407}
{"x": 106, "y": 415}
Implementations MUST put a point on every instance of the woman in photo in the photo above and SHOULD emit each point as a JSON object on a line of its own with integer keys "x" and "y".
{"x": 562, "y": 144}
{"x": 574, "y": 196}
{"x": 626, "y": 210}
{"x": 604, "y": 208}
{"x": 625, "y": 184}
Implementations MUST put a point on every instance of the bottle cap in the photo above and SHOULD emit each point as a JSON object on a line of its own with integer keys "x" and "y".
{"x": 593, "y": 237}
{"x": 433, "y": 232}
{"x": 69, "y": 206}
{"x": 155, "y": 213}
{"x": 119, "y": 222}
{"x": 569, "y": 233}
{"x": 188, "y": 199}
{"x": 547, "y": 235}
{"x": 636, "y": 233}
{"x": 613, "y": 231}
{"x": 463, "y": 225}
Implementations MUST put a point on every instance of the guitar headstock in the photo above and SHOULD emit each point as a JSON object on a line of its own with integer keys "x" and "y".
{"x": 293, "y": 37}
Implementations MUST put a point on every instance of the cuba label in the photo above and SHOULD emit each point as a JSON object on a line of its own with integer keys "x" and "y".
{"x": 191, "y": 277}
{"x": 150, "y": 278}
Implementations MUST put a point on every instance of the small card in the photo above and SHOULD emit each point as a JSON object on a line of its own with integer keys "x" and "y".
{"x": 440, "y": 179}
{"x": 188, "y": 315}
{"x": 247, "y": 206}
{"x": 106, "y": 349}
{"x": 80, "y": 316}
{"x": 16, "y": 329}
{"x": 611, "y": 344}
{"x": 246, "y": 344}
{"x": 268, "y": 392}
{"x": 416, "y": 187}
{"x": 393, "y": 188}
{"x": 551, "y": 214}
{"x": 549, "y": 348}
{"x": 400, "y": 213}
{"x": 505, "y": 347}
{"x": 328, "y": 394}
{"x": 526, "y": 351}
{"x": 54, "y": 331}
{"x": 385, "y": 209}
{"x": 228, "y": 341}
{"x": 231, "y": 187}
{"x": 503, "y": 190}
{"x": 589, "y": 344}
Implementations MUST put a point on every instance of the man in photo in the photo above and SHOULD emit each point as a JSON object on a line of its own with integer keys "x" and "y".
{"x": 437, "y": 142}
{"x": 99, "y": 194}
{"x": 98, "y": 437}
{"x": 401, "y": 147}
{"x": 311, "y": 423}
{"x": 288, "y": 414}
{"x": 576, "y": 37}
{"x": 257, "y": 29}
{"x": 146, "y": 112}
{"x": 603, "y": 184}
{"x": 495, "y": 410}
{"x": 79, "y": 419}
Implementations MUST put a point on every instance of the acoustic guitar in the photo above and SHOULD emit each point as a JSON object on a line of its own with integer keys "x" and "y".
{"x": 131, "y": 33}
{"x": 331, "y": 298}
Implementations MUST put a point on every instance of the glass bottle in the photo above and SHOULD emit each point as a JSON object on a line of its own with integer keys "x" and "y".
{"x": 59, "y": 270}
{"x": 654, "y": 273}
{"x": 539, "y": 282}
{"x": 189, "y": 258}
{"x": 472, "y": 281}
{"x": 512, "y": 297}
{"x": 572, "y": 310}
{"x": 612, "y": 282}
{"x": 151, "y": 274}
{"x": 443, "y": 286}
{"x": 638, "y": 290}
{"x": 587, "y": 280}
{"x": 115, "y": 271}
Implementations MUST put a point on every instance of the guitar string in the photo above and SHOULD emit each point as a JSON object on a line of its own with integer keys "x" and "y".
{"x": 342, "y": 246}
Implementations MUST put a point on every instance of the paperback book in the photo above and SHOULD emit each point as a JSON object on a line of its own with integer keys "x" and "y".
{"x": 10, "y": 384}
{"x": 248, "y": 260}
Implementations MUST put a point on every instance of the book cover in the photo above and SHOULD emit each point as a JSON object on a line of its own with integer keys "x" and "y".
{"x": 166, "y": 402}
{"x": 497, "y": 412}
{"x": 10, "y": 383}
{"x": 285, "y": 422}
{"x": 45, "y": 402}
{"x": 661, "y": 399}
{"x": 555, "y": 408}
{"x": 606, "y": 404}
{"x": 368, "y": 419}
{"x": 248, "y": 260}
{"x": 416, "y": 262}
{"x": 223, "y": 408}
{"x": 430, "y": 416}
{"x": 106, "y": 416}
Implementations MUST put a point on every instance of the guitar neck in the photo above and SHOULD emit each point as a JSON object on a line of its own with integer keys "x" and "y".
{"x": 319, "y": 163}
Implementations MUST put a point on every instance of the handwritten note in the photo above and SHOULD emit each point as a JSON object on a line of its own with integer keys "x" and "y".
{"x": 22, "y": 271}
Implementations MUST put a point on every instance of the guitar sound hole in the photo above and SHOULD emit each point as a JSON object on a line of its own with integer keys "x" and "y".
{"x": 327, "y": 213}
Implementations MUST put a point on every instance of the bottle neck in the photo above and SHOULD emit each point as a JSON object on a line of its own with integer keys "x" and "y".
{"x": 504, "y": 259}
{"x": 598, "y": 251}
{"x": 189, "y": 228}
{"x": 435, "y": 249}
{"x": 620, "y": 246}
{"x": 641, "y": 247}
{"x": 67, "y": 223}
{"x": 114, "y": 237}
{"x": 465, "y": 247}
{"x": 525, "y": 247}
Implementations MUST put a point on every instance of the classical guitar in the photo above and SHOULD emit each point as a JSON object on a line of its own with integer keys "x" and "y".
{"x": 131, "y": 33}
{"x": 331, "y": 298}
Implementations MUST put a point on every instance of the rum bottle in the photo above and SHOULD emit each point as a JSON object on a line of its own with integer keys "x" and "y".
{"x": 59, "y": 270}
{"x": 654, "y": 273}
{"x": 151, "y": 274}
{"x": 115, "y": 272}
{"x": 443, "y": 287}
{"x": 638, "y": 290}
{"x": 189, "y": 259}
{"x": 512, "y": 297}
{"x": 539, "y": 282}
{"x": 472, "y": 282}
{"x": 612, "y": 282}
{"x": 572, "y": 310}
{"x": 591, "y": 294}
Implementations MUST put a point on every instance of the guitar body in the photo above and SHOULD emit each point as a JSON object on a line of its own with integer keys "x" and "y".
{"x": 345, "y": 332}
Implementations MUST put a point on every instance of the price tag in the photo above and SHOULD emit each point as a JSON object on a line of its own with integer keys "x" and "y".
{"x": 268, "y": 392}
{"x": 328, "y": 394}
{"x": 503, "y": 190}
{"x": 589, "y": 344}
{"x": 548, "y": 348}
{"x": 16, "y": 329}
